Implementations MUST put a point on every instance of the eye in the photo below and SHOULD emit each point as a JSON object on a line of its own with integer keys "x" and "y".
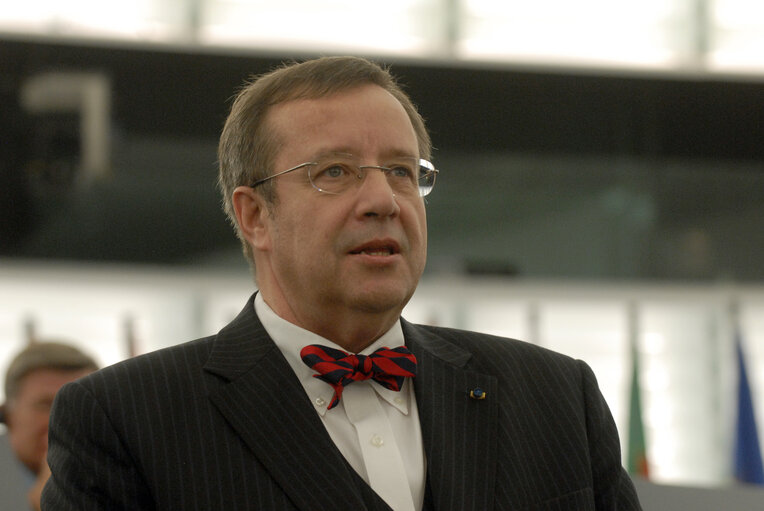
{"x": 334, "y": 171}
{"x": 399, "y": 171}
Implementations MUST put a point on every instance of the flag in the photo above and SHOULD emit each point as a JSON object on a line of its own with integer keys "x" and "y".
{"x": 747, "y": 462}
{"x": 636, "y": 460}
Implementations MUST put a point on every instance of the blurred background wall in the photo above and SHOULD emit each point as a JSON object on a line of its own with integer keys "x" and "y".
{"x": 601, "y": 186}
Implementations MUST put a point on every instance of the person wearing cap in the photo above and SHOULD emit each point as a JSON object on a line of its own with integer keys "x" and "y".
{"x": 31, "y": 382}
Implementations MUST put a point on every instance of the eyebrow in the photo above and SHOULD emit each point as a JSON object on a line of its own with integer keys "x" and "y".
{"x": 347, "y": 154}
{"x": 326, "y": 154}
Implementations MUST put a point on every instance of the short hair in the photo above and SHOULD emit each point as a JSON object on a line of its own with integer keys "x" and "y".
{"x": 44, "y": 355}
{"x": 248, "y": 147}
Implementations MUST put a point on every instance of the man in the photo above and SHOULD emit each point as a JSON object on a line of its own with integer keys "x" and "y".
{"x": 323, "y": 171}
{"x": 31, "y": 382}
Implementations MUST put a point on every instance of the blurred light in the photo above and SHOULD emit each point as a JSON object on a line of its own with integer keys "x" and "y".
{"x": 653, "y": 34}
{"x": 393, "y": 26}
{"x": 737, "y": 37}
{"x": 663, "y": 453}
{"x": 660, "y": 413}
{"x": 656, "y": 377}
{"x": 138, "y": 19}
{"x": 654, "y": 343}
{"x": 636, "y": 33}
{"x": 506, "y": 319}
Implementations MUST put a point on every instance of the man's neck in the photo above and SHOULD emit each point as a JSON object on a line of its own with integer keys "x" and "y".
{"x": 355, "y": 335}
{"x": 351, "y": 330}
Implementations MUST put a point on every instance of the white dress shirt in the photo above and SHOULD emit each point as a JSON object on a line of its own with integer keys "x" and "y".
{"x": 376, "y": 429}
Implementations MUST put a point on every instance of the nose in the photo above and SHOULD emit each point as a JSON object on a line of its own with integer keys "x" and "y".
{"x": 376, "y": 197}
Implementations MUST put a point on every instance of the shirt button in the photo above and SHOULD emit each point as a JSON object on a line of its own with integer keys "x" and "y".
{"x": 320, "y": 402}
{"x": 377, "y": 441}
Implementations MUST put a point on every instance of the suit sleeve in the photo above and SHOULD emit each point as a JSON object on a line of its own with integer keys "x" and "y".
{"x": 90, "y": 467}
{"x": 613, "y": 488}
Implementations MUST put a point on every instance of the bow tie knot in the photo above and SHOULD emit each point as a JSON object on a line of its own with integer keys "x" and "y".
{"x": 388, "y": 367}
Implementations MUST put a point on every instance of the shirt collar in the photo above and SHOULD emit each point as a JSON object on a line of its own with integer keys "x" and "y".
{"x": 290, "y": 339}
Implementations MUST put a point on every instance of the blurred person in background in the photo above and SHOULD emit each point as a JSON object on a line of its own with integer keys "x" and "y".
{"x": 31, "y": 382}
{"x": 324, "y": 171}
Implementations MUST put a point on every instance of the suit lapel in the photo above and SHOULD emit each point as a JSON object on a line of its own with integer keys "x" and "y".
{"x": 266, "y": 405}
{"x": 459, "y": 432}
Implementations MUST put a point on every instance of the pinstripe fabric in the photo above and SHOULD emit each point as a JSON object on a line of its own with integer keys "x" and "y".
{"x": 221, "y": 423}
{"x": 542, "y": 439}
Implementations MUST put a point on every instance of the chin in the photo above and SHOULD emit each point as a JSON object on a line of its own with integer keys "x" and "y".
{"x": 381, "y": 300}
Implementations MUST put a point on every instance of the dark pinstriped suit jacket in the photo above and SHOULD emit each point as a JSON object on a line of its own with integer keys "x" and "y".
{"x": 222, "y": 423}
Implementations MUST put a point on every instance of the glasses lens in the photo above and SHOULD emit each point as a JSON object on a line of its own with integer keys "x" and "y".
{"x": 407, "y": 176}
{"x": 427, "y": 174}
{"x": 333, "y": 176}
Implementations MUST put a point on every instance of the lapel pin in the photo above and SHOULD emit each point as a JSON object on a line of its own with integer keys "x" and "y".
{"x": 477, "y": 393}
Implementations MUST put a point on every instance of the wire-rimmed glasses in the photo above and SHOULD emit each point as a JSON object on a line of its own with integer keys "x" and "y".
{"x": 337, "y": 173}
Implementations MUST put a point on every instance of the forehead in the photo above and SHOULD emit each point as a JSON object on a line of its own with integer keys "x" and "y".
{"x": 45, "y": 380}
{"x": 362, "y": 120}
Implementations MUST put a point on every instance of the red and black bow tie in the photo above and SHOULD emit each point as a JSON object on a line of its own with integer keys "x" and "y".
{"x": 388, "y": 367}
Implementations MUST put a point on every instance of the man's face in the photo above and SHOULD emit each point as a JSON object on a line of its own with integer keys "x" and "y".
{"x": 28, "y": 413}
{"x": 361, "y": 251}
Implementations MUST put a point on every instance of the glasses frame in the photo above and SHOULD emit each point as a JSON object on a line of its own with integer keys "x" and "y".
{"x": 422, "y": 163}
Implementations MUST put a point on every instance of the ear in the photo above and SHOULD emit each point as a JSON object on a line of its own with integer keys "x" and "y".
{"x": 253, "y": 217}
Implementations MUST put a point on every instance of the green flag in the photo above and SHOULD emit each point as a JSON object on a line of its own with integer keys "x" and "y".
{"x": 637, "y": 453}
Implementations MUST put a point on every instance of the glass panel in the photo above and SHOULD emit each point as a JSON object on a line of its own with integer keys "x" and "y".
{"x": 737, "y": 36}
{"x": 11, "y": 339}
{"x": 680, "y": 391}
{"x": 752, "y": 337}
{"x": 653, "y": 34}
{"x": 601, "y": 216}
{"x": 99, "y": 329}
{"x": 499, "y": 317}
{"x": 139, "y": 19}
{"x": 595, "y": 332}
{"x": 589, "y": 31}
{"x": 392, "y": 27}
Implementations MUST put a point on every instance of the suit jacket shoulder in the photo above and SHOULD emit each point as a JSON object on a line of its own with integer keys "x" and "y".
{"x": 217, "y": 423}
{"x": 542, "y": 434}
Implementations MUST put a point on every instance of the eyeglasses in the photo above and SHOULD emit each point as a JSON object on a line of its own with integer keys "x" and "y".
{"x": 338, "y": 173}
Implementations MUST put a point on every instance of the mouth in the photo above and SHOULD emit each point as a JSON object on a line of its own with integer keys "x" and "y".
{"x": 381, "y": 248}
